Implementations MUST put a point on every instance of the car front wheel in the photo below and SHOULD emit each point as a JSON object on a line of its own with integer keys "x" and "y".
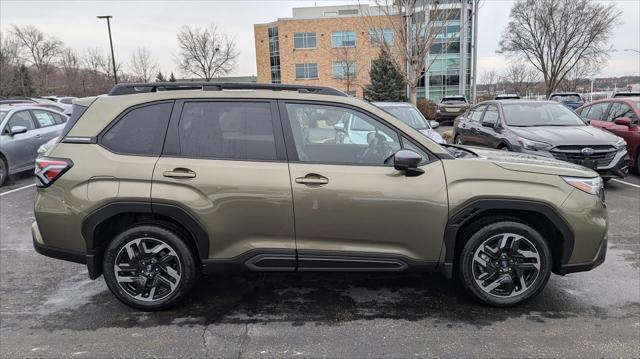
{"x": 149, "y": 267}
{"x": 505, "y": 263}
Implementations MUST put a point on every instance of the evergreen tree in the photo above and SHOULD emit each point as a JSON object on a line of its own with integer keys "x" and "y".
{"x": 387, "y": 83}
{"x": 172, "y": 78}
{"x": 160, "y": 77}
{"x": 22, "y": 85}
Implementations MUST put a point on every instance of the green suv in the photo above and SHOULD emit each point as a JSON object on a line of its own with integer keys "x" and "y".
{"x": 153, "y": 184}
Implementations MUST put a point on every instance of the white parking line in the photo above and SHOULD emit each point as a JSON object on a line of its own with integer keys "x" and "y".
{"x": 16, "y": 190}
{"x": 627, "y": 183}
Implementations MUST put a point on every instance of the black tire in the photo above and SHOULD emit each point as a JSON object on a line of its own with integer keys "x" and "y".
{"x": 500, "y": 296}
{"x": 4, "y": 171}
{"x": 182, "y": 264}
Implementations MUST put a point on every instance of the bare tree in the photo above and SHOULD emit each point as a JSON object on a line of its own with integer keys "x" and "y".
{"x": 490, "y": 79}
{"x": 70, "y": 65}
{"x": 580, "y": 74}
{"x": 205, "y": 52}
{"x": 520, "y": 76}
{"x": 555, "y": 35}
{"x": 8, "y": 61}
{"x": 350, "y": 62}
{"x": 416, "y": 25}
{"x": 142, "y": 65}
{"x": 38, "y": 49}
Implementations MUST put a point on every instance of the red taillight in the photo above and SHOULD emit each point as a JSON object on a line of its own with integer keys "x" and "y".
{"x": 50, "y": 169}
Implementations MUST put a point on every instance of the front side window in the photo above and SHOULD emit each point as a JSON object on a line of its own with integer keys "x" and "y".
{"x": 227, "y": 130}
{"x": 343, "y": 38}
{"x": 306, "y": 71}
{"x": 618, "y": 110}
{"x": 21, "y": 118}
{"x": 380, "y": 36}
{"x": 344, "y": 68}
{"x": 596, "y": 111}
{"x": 44, "y": 118}
{"x": 491, "y": 115}
{"x": 140, "y": 131}
{"x": 337, "y": 135}
{"x": 476, "y": 113}
{"x": 304, "y": 40}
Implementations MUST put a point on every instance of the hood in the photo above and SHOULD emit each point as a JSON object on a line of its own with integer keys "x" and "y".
{"x": 432, "y": 134}
{"x": 567, "y": 135}
{"x": 522, "y": 162}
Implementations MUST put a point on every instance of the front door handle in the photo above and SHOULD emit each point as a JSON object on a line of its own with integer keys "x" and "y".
{"x": 179, "y": 173}
{"x": 312, "y": 179}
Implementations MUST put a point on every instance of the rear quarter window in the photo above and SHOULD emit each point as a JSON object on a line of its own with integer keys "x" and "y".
{"x": 140, "y": 131}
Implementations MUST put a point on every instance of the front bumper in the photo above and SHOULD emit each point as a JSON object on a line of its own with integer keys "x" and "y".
{"x": 618, "y": 167}
{"x": 64, "y": 254}
{"x": 586, "y": 266}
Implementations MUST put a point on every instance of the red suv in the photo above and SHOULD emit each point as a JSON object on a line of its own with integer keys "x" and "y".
{"x": 620, "y": 116}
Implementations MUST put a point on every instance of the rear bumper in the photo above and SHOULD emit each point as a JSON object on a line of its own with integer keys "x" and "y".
{"x": 586, "y": 266}
{"x": 447, "y": 115}
{"x": 64, "y": 254}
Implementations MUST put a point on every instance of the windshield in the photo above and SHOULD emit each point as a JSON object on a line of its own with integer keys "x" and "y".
{"x": 409, "y": 115}
{"x": 539, "y": 114}
{"x": 566, "y": 98}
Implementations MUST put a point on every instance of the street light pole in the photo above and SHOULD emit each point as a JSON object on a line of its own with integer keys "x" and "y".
{"x": 113, "y": 58}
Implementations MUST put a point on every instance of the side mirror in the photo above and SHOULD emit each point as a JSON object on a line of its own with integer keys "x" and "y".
{"x": 16, "y": 130}
{"x": 408, "y": 161}
{"x": 339, "y": 126}
{"x": 624, "y": 121}
{"x": 434, "y": 124}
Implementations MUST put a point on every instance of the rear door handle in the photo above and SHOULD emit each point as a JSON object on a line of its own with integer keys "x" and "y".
{"x": 312, "y": 179}
{"x": 179, "y": 173}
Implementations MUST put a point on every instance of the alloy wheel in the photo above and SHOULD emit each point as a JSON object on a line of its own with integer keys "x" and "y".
{"x": 506, "y": 265}
{"x": 147, "y": 269}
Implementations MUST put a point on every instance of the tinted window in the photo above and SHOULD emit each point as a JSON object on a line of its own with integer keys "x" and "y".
{"x": 21, "y": 118}
{"x": 618, "y": 110}
{"x": 44, "y": 118}
{"x": 67, "y": 100}
{"x": 596, "y": 111}
{"x": 476, "y": 113}
{"x": 232, "y": 130}
{"x": 140, "y": 131}
{"x": 328, "y": 134}
{"x": 491, "y": 115}
{"x": 59, "y": 118}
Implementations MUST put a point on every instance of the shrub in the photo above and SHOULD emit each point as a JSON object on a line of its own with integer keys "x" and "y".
{"x": 428, "y": 108}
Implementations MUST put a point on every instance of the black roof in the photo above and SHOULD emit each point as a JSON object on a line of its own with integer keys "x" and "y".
{"x": 135, "y": 88}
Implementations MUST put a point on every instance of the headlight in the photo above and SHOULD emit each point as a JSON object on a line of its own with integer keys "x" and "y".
{"x": 532, "y": 145}
{"x": 589, "y": 185}
{"x": 621, "y": 144}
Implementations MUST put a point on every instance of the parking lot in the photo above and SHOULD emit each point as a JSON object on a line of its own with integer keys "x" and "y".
{"x": 50, "y": 308}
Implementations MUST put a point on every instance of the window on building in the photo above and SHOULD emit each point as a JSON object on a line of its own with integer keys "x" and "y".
{"x": 343, "y": 68}
{"x": 306, "y": 71}
{"x": 343, "y": 38}
{"x": 304, "y": 40}
{"x": 379, "y": 35}
{"x": 348, "y": 12}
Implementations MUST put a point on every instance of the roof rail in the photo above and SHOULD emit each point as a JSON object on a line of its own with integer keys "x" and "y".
{"x": 135, "y": 88}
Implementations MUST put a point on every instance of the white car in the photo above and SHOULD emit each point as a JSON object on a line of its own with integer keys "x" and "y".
{"x": 62, "y": 101}
{"x": 410, "y": 115}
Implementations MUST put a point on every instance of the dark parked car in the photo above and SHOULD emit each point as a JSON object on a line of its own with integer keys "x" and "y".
{"x": 410, "y": 115}
{"x": 451, "y": 107}
{"x": 543, "y": 128}
{"x": 572, "y": 100}
{"x": 23, "y": 130}
{"x": 620, "y": 116}
{"x": 626, "y": 94}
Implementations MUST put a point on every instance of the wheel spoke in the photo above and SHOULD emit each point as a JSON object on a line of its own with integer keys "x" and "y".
{"x": 515, "y": 245}
{"x": 159, "y": 248}
{"x": 503, "y": 241}
{"x": 169, "y": 284}
{"x": 126, "y": 267}
{"x": 172, "y": 273}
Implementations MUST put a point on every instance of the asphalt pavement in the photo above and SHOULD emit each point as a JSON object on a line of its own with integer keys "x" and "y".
{"x": 50, "y": 309}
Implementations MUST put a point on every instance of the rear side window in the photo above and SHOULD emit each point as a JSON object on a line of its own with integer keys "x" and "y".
{"x": 140, "y": 131}
{"x": 227, "y": 130}
{"x": 44, "y": 118}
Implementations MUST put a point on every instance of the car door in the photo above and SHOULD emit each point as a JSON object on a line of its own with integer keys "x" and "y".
{"x": 597, "y": 114}
{"x": 472, "y": 127}
{"x": 224, "y": 162}
{"x": 618, "y": 110}
{"x": 352, "y": 209}
{"x": 20, "y": 149}
{"x": 487, "y": 135}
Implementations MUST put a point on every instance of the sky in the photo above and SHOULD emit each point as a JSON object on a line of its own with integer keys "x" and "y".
{"x": 154, "y": 24}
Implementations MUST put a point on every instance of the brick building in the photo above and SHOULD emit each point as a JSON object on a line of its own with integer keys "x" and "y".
{"x": 335, "y": 46}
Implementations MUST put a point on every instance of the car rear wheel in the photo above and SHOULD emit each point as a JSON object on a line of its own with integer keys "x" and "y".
{"x": 4, "y": 171}
{"x": 505, "y": 263}
{"x": 149, "y": 267}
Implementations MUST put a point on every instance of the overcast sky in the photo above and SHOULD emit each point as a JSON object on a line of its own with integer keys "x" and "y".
{"x": 154, "y": 24}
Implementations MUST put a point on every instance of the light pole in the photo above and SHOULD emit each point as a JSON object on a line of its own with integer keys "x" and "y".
{"x": 113, "y": 58}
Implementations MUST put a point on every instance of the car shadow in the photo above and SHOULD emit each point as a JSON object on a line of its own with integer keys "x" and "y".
{"x": 319, "y": 299}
